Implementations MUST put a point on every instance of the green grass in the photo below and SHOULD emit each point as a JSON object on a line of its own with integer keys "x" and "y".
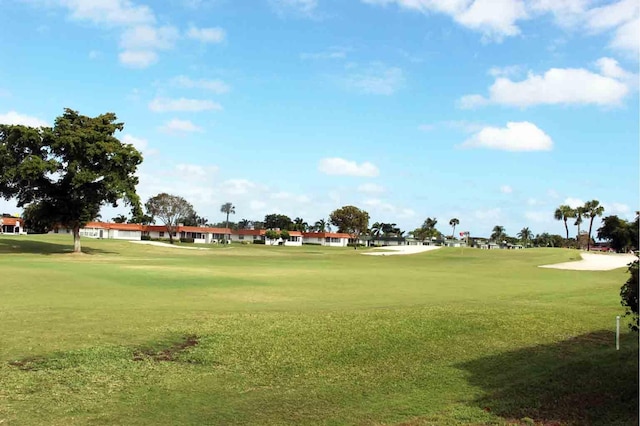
{"x": 307, "y": 335}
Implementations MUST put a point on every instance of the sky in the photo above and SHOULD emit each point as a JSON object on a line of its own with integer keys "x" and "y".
{"x": 491, "y": 111}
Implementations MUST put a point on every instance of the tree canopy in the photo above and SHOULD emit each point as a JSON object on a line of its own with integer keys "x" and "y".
{"x": 71, "y": 170}
{"x": 278, "y": 221}
{"x": 170, "y": 209}
{"x": 350, "y": 220}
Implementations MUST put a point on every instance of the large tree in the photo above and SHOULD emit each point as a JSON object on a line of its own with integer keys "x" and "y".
{"x": 629, "y": 295}
{"x": 454, "y": 222}
{"x": 563, "y": 213}
{"x": 350, "y": 220}
{"x": 525, "y": 235}
{"x": 592, "y": 210}
{"x": 498, "y": 234}
{"x": 580, "y": 214}
{"x": 300, "y": 225}
{"x": 277, "y": 221}
{"x": 228, "y": 208}
{"x": 71, "y": 170}
{"x": 170, "y": 209}
{"x": 321, "y": 225}
{"x": 618, "y": 232}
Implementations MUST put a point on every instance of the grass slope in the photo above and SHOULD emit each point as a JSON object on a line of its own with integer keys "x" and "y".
{"x": 142, "y": 335}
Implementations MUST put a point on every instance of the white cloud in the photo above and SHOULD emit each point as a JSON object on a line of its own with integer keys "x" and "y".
{"x": 342, "y": 167}
{"x": 206, "y": 35}
{"x": 111, "y": 13}
{"x": 489, "y": 214}
{"x": 537, "y": 216}
{"x": 180, "y": 126}
{"x": 183, "y": 104}
{"x": 532, "y": 202}
{"x": 506, "y": 189}
{"x": 215, "y": 86}
{"x": 147, "y": 37}
{"x": 426, "y": 127}
{"x": 573, "y": 202}
{"x": 305, "y": 8}
{"x": 618, "y": 209}
{"x": 138, "y": 59}
{"x": 138, "y": 143}
{"x": 375, "y": 79}
{"x": 371, "y": 188}
{"x": 553, "y": 194}
{"x": 331, "y": 53}
{"x": 15, "y": 118}
{"x": 556, "y": 86}
{"x": 238, "y": 186}
{"x": 94, "y": 54}
{"x": 195, "y": 171}
{"x": 287, "y": 196}
{"x": 257, "y": 205}
{"x": 496, "y": 19}
{"x": 516, "y": 136}
{"x": 507, "y": 71}
{"x": 623, "y": 17}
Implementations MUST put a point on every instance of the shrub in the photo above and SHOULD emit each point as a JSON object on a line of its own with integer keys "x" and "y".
{"x": 145, "y": 238}
{"x": 629, "y": 294}
{"x": 187, "y": 240}
{"x": 311, "y": 244}
{"x": 258, "y": 242}
{"x": 358, "y": 244}
{"x": 246, "y": 243}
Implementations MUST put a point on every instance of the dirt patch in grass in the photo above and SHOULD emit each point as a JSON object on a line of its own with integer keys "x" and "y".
{"x": 166, "y": 353}
{"x": 31, "y": 363}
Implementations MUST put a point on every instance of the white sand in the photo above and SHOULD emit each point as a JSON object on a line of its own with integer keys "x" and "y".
{"x": 596, "y": 262}
{"x": 395, "y": 250}
{"x": 159, "y": 244}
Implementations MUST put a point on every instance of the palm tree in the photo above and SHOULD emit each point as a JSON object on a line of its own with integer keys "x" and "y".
{"x": 563, "y": 213}
{"x": 525, "y": 235}
{"x": 300, "y": 225}
{"x": 321, "y": 225}
{"x": 453, "y": 222}
{"x": 228, "y": 208}
{"x": 580, "y": 213}
{"x": 377, "y": 229}
{"x": 244, "y": 224}
{"x": 498, "y": 233}
{"x": 592, "y": 209}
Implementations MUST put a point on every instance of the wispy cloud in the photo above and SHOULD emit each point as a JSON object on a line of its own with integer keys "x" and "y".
{"x": 216, "y": 86}
{"x": 211, "y": 35}
{"x": 183, "y": 104}
{"x": 374, "y": 79}
{"x": 341, "y": 167}
{"x": 15, "y": 118}
{"x": 516, "y": 136}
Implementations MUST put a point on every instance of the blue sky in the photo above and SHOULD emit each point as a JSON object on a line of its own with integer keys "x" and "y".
{"x": 491, "y": 111}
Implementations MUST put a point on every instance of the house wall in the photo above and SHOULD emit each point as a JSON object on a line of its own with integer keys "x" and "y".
{"x": 118, "y": 234}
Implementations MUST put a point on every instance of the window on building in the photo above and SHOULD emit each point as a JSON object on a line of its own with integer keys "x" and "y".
{"x": 241, "y": 237}
{"x": 161, "y": 234}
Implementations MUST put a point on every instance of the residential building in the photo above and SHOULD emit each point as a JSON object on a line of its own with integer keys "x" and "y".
{"x": 331, "y": 239}
{"x": 12, "y": 225}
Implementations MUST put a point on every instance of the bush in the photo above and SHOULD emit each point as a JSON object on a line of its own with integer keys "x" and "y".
{"x": 311, "y": 244}
{"x": 145, "y": 238}
{"x": 187, "y": 240}
{"x": 258, "y": 242}
{"x": 629, "y": 294}
{"x": 358, "y": 244}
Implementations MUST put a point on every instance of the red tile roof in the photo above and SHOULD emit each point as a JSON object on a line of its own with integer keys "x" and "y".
{"x": 325, "y": 235}
{"x": 11, "y": 221}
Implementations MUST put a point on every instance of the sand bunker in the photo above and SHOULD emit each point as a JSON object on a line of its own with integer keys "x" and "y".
{"x": 159, "y": 244}
{"x": 596, "y": 262}
{"x": 395, "y": 250}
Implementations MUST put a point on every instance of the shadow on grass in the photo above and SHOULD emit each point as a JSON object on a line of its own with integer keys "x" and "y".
{"x": 580, "y": 381}
{"x": 20, "y": 246}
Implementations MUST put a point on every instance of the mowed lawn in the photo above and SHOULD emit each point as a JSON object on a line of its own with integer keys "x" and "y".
{"x": 141, "y": 335}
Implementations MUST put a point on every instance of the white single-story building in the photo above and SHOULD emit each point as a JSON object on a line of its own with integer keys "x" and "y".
{"x": 331, "y": 239}
{"x": 116, "y": 231}
{"x": 200, "y": 234}
{"x": 12, "y": 225}
{"x": 251, "y": 235}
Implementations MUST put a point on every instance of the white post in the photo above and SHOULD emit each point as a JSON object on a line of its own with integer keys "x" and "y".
{"x": 617, "y": 332}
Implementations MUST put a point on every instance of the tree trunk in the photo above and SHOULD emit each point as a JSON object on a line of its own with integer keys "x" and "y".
{"x": 77, "y": 248}
{"x": 578, "y": 237}
{"x": 453, "y": 233}
{"x": 227, "y": 220}
{"x": 566, "y": 228}
{"x": 170, "y": 229}
{"x": 589, "y": 236}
